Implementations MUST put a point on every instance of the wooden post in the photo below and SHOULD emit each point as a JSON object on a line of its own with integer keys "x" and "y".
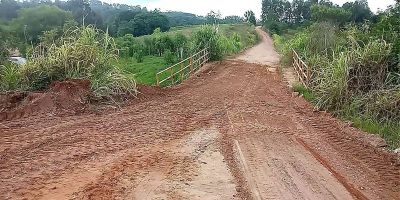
{"x": 172, "y": 75}
{"x": 191, "y": 64}
{"x": 208, "y": 55}
{"x": 158, "y": 79}
{"x": 308, "y": 75}
{"x": 182, "y": 72}
{"x": 204, "y": 60}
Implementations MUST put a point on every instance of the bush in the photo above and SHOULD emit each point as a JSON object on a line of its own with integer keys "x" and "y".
{"x": 10, "y": 77}
{"x": 85, "y": 53}
{"x": 169, "y": 57}
{"x": 208, "y": 36}
{"x": 139, "y": 56}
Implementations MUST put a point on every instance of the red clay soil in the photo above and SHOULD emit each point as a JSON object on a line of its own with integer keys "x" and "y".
{"x": 178, "y": 143}
{"x": 68, "y": 96}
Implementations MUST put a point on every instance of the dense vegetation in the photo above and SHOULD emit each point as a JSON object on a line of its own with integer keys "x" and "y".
{"x": 22, "y": 23}
{"x": 354, "y": 57}
{"x": 145, "y": 55}
{"x": 82, "y": 53}
{"x": 112, "y": 45}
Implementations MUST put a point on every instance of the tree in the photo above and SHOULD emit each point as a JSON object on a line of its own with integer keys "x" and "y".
{"x": 233, "y": 19}
{"x": 82, "y": 12}
{"x": 213, "y": 17}
{"x": 32, "y": 22}
{"x": 4, "y": 37}
{"x": 388, "y": 28}
{"x": 272, "y": 10}
{"x": 180, "y": 42}
{"x": 250, "y": 17}
{"x": 301, "y": 11}
{"x": 360, "y": 10}
{"x": 334, "y": 15}
{"x": 8, "y": 9}
{"x": 181, "y": 18}
{"x": 143, "y": 23}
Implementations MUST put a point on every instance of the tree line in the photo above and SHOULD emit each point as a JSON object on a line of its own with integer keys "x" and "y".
{"x": 24, "y": 23}
{"x": 279, "y": 15}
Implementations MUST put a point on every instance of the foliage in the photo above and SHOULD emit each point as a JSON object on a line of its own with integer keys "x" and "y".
{"x": 145, "y": 71}
{"x": 139, "y": 56}
{"x": 360, "y": 11}
{"x": 232, "y": 19}
{"x": 307, "y": 93}
{"x": 32, "y": 22}
{"x": 142, "y": 23}
{"x": 331, "y": 14}
{"x": 388, "y": 28}
{"x": 82, "y": 12}
{"x": 85, "y": 53}
{"x": 208, "y": 36}
{"x": 182, "y": 19}
{"x": 351, "y": 74}
{"x": 279, "y": 15}
{"x": 213, "y": 17}
{"x": 231, "y": 45}
{"x": 10, "y": 77}
{"x": 232, "y": 39}
{"x": 8, "y": 9}
{"x": 169, "y": 57}
{"x": 250, "y": 17}
{"x": 4, "y": 38}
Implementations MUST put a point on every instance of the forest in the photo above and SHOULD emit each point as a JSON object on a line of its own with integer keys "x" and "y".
{"x": 114, "y": 46}
{"x": 353, "y": 55}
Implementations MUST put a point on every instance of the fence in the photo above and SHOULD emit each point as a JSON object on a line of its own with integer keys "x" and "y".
{"x": 182, "y": 70}
{"x": 302, "y": 69}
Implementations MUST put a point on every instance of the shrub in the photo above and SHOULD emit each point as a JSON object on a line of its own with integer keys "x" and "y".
{"x": 85, "y": 53}
{"x": 208, "y": 36}
{"x": 10, "y": 77}
{"x": 169, "y": 57}
{"x": 139, "y": 56}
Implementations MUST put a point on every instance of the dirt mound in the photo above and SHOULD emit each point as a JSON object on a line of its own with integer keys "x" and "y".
{"x": 69, "y": 96}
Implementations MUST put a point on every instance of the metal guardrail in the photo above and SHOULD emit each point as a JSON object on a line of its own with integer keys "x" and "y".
{"x": 183, "y": 69}
{"x": 302, "y": 69}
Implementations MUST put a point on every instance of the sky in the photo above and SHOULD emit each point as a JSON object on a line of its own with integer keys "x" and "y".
{"x": 226, "y": 7}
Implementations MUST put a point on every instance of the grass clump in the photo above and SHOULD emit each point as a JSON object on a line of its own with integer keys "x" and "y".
{"x": 83, "y": 53}
{"x": 10, "y": 77}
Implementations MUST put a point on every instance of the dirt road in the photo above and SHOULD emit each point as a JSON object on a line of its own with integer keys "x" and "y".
{"x": 233, "y": 132}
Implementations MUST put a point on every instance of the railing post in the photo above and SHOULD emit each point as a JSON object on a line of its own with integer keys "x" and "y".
{"x": 181, "y": 72}
{"x": 172, "y": 76}
{"x": 158, "y": 79}
{"x": 191, "y": 65}
{"x": 202, "y": 57}
{"x": 308, "y": 75}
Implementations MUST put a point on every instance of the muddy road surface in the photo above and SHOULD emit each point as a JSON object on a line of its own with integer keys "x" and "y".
{"x": 234, "y": 131}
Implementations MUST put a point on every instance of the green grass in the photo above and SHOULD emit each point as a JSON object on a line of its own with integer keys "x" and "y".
{"x": 307, "y": 94}
{"x": 244, "y": 30}
{"x": 390, "y": 132}
{"x": 145, "y": 72}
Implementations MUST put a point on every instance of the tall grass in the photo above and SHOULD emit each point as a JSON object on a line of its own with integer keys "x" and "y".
{"x": 10, "y": 77}
{"x": 84, "y": 53}
{"x": 350, "y": 76}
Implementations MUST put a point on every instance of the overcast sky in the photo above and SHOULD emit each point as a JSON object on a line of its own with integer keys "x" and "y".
{"x": 226, "y": 7}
